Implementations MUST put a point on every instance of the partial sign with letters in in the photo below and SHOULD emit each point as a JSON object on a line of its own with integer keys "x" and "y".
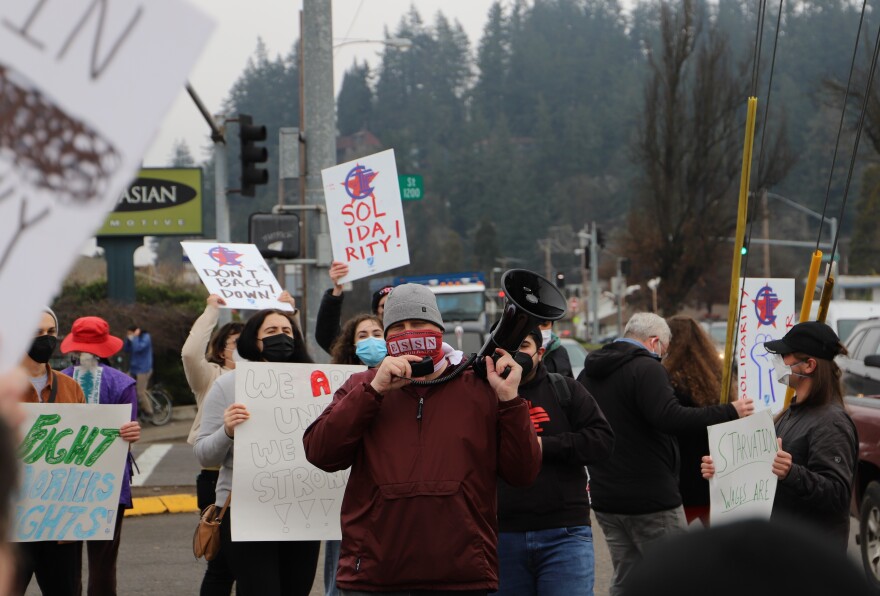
{"x": 83, "y": 85}
{"x": 279, "y": 495}
{"x": 766, "y": 314}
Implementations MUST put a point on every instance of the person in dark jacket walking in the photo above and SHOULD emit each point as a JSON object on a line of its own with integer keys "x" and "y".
{"x": 545, "y": 544}
{"x": 556, "y": 358}
{"x": 635, "y": 492}
{"x": 818, "y": 442}
{"x": 420, "y": 508}
{"x": 328, "y": 324}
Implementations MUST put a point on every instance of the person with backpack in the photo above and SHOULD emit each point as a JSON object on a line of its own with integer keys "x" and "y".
{"x": 545, "y": 542}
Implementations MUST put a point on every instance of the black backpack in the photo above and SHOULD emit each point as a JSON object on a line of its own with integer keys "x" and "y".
{"x": 563, "y": 393}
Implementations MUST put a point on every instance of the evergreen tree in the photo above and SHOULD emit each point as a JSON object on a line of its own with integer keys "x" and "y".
{"x": 354, "y": 107}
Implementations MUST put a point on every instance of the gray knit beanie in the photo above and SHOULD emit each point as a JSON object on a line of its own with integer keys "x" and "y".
{"x": 410, "y": 302}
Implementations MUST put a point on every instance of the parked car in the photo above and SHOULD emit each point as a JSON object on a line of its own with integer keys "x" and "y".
{"x": 861, "y": 368}
{"x": 865, "y": 412}
{"x": 576, "y": 353}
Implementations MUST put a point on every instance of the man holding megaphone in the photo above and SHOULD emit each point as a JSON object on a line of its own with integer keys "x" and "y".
{"x": 420, "y": 511}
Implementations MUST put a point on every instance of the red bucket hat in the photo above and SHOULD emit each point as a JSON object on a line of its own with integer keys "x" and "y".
{"x": 92, "y": 335}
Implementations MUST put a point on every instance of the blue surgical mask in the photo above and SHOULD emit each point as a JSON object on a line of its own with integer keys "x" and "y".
{"x": 371, "y": 350}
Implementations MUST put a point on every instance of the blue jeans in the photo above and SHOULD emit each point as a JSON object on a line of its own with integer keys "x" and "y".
{"x": 556, "y": 562}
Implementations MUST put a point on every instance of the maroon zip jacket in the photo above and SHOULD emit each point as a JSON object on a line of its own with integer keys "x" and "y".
{"x": 420, "y": 510}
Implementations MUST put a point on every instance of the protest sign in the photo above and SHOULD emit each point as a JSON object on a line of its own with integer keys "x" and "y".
{"x": 366, "y": 215}
{"x": 278, "y": 494}
{"x": 83, "y": 86}
{"x": 237, "y": 273}
{"x": 766, "y": 313}
{"x": 72, "y": 465}
{"x": 744, "y": 484}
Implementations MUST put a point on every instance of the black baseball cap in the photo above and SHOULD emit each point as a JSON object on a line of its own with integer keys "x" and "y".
{"x": 811, "y": 337}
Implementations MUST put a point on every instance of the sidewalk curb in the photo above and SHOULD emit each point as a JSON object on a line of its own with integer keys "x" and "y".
{"x": 163, "y": 504}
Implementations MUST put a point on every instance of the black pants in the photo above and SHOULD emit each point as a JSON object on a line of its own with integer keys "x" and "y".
{"x": 218, "y": 578}
{"x": 269, "y": 568}
{"x": 102, "y": 561}
{"x": 58, "y": 567}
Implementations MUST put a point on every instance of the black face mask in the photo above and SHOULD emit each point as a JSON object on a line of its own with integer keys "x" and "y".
{"x": 42, "y": 348}
{"x": 278, "y": 348}
{"x": 526, "y": 362}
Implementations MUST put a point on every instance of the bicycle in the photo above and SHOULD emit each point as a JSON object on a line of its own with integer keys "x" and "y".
{"x": 162, "y": 408}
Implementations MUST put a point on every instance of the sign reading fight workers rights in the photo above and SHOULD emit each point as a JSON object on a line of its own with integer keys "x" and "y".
{"x": 237, "y": 273}
{"x": 279, "y": 494}
{"x": 83, "y": 86}
{"x": 366, "y": 215}
{"x": 72, "y": 465}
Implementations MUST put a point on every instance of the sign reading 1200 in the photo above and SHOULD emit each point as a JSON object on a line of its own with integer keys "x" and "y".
{"x": 160, "y": 202}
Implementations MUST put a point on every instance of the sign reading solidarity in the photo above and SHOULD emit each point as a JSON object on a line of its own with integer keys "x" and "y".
{"x": 72, "y": 465}
{"x": 366, "y": 215}
{"x": 279, "y": 495}
{"x": 766, "y": 313}
{"x": 744, "y": 484}
{"x": 237, "y": 273}
{"x": 82, "y": 88}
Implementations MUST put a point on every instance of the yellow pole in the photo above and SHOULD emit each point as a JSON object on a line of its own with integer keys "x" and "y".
{"x": 806, "y": 304}
{"x": 732, "y": 315}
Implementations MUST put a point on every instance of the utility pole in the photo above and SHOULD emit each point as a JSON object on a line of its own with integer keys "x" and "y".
{"x": 319, "y": 129}
{"x": 594, "y": 280}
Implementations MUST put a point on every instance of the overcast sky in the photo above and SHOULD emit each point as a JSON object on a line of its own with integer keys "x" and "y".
{"x": 239, "y": 24}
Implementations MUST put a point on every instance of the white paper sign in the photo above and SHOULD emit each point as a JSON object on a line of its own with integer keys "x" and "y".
{"x": 365, "y": 213}
{"x": 236, "y": 272}
{"x": 766, "y": 313}
{"x": 279, "y": 495}
{"x": 71, "y": 475}
{"x": 744, "y": 484}
{"x": 83, "y": 85}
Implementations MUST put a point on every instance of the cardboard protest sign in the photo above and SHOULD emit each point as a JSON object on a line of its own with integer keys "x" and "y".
{"x": 766, "y": 313}
{"x": 236, "y": 272}
{"x": 72, "y": 465}
{"x": 279, "y": 495}
{"x": 365, "y": 213}
{"x": 83, "y": 85}
{"x": 744, "y": 484}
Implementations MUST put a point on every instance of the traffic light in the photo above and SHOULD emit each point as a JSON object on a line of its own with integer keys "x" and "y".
{"x": 560, "y": 279}
{"x": 586, "y": 257}
{"x": 251, "y": 155}
{"x": 744, "y": 250}
{"x": 625, "y": 266}
{"x": 600, "y": 238}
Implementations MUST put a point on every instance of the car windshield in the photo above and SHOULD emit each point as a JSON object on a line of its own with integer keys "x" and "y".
{"x": 845, "y": 328}
{"x": 461, "y": 307}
